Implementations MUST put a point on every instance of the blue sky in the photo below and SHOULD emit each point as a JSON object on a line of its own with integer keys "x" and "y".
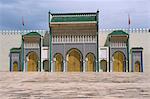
{"x": 113, "y": 13}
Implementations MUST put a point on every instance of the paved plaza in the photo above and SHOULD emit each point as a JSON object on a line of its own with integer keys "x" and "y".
{"x": 46, "y": 85}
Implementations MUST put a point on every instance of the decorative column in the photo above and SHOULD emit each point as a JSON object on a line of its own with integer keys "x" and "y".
{"x": 25, "y": 66}
{"x": 84, "y": 65}
{"x": 108, "y": 66}
{"x": 111, "y": 66}
{"x": 96, "y": 66}
{"x": 64, "y": 66}
{"x": 52, "y": 66}
{"x": 38, "y": 66}
{"x": 42, "y": 70}
{"x": 100, "y": 70}
{"x": 126, "y": 66}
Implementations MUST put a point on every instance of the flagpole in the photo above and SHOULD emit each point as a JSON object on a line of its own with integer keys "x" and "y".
{"x": 129, "y": 22}
{"x": 23, "y": 61}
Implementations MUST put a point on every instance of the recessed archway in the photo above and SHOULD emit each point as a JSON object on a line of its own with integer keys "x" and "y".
{"x": 15, "y": 66}
{"x": 103, "y": 64}
{"x": 74, "y": 60}
{"x": 32, "y": 61}
{"x": 58, "y": 58}
{"x": 137, "y": 66}
{"x": 90, "y": 62}
{"x": 46, "y": 65}
{"x": 118, "y": 61}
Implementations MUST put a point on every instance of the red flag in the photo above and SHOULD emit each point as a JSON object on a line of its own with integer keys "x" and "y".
{"x": 129, "y": 22}
{"x": 22, "y": 21}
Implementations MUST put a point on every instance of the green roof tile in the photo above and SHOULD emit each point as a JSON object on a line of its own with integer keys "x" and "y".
{"x": 118, "y": 32}
{"x": 74, "y": 19}
{"x": 32, "y": 34}
{"x": 17, "y": 50}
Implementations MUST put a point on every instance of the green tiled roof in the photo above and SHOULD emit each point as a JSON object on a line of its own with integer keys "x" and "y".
{"x": 74, "y": 19}
{"x": 15, "y": 50}
{"x": 32, "y": 34}
{"x": 80, "y": 13}
{"x": 118, "y": 32}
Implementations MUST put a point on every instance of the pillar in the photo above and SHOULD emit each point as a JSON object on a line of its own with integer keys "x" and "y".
{"x": 126, "y": 66}
{"x": 108, "y": 66}
{"x": 84, "y": 66}
{"x": 39, "y": 66}
{"x": 25, "y": 66}
{"x": 52, "y": 66}
{"x": 42, "y": 70}
{"x": 96, "y": 66}
{"x": 64, "y": 66}
{"x": 111, "y": 66}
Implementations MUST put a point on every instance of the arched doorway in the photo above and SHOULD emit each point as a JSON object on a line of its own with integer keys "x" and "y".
{"x": 90, "y": 58}
{"x": 74, "y": 61}
{"x": 118, "y": 62}
{"x": 137, "y": 66}
{"x": 46, "y": 65}
{"x": 32, "y": 61}
{"x": 58, "y": 58}
{"x": 103, "y": 65}
{"x": 15, "y": 66}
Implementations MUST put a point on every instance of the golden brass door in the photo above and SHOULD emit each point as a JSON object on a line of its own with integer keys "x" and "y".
{"x": 90, "y": 62}
{"x": 15, "y": 66}
{"x": 137, "y": 66}
{"x": 58, "y": 63}
{"x": 74, "y": 64}
{"x": 32, "y": 62}
{"x": 118, "y": 63}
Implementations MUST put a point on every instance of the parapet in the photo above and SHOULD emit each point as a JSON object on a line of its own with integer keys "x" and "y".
{"x": 20, "y": 32}
{"x": 131, "y": 30}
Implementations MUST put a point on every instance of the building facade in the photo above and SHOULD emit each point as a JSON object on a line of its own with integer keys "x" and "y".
{"x": 74, "y": 43}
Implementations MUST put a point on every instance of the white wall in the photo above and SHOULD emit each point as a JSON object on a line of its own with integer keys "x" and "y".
{"x": 7, "y": 41}
{"x": 142, "y": 40}
{"x": 10, "y": 39}
{"x": 137, "y": 38}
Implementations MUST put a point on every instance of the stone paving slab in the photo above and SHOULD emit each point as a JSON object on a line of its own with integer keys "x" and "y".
{"x": 44, "y": 85}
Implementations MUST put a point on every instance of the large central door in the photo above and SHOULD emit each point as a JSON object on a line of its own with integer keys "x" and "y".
{"x": 32, "y": 61}
{"x": 118, "y": 62}
{"x": 74, "y": 61}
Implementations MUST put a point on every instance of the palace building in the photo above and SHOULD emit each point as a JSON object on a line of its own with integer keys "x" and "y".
{"x": 75, "y": 43}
